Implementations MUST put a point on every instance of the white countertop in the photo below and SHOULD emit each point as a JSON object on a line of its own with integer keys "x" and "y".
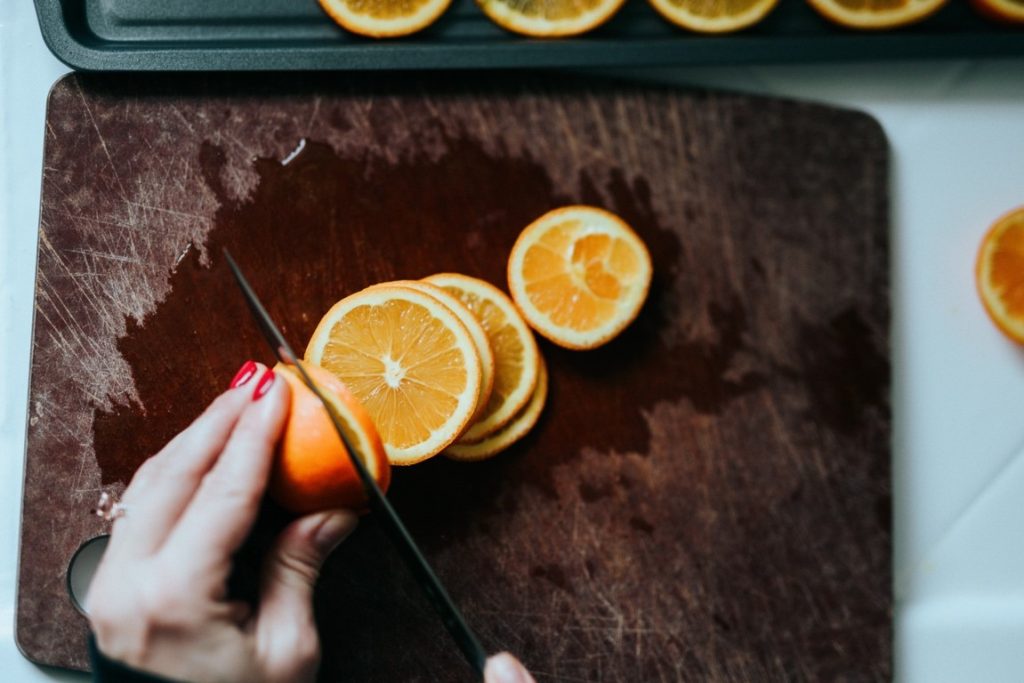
{"x": 957, "y": 135}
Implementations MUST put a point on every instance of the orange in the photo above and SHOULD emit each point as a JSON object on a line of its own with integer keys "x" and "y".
{"x": 385, "y": 18}
{"x": 714, "y": 16}
{"x": 999, "y": 274}
{"x": 409, "y": 361}
{"x": 312, "y": 471}
{"x": 1003, "y": 11}
{"x": 876, "y": 14}
{"x": 550, "y": 18}
{"x": 516, "y": 429}
{"x": 579, "y": 275}
{"x": 516, "y": 357}
{"x": 473, "y": 326}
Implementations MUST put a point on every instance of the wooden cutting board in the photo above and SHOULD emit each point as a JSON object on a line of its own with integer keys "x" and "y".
{"x": 706, "y": 498}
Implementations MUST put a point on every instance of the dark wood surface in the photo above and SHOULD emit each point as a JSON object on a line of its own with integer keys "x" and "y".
{"x": 706, "y": 498}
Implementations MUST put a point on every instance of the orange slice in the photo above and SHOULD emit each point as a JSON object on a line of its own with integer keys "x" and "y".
{"x": 516, "y": 429}
{"x": 1003, "y": 11}
{"x": 473, "y": 326}
{"x": 714, "y": 16}
{"x": 579, "y": 275}
{"x": 515, "y": 351}
{"x": 550, "y": 18}
{"x": 999, "y": 274}
{"x": 384, "y": 18}
{"x": 409, "y": 361}
{"x": 312, "y": 471}
{"x": 876, "y": 14}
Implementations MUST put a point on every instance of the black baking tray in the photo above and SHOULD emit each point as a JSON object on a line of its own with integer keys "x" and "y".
{"x": 174, "y": 35}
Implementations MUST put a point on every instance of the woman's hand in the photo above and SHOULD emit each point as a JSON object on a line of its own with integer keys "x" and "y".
{"x": 158, "y": 601}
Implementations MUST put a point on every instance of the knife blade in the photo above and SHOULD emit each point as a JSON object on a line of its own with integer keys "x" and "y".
{"x": 450, "y": 615}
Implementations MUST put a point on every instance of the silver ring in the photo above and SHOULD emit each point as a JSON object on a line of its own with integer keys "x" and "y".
{"x": 108, "y": 508}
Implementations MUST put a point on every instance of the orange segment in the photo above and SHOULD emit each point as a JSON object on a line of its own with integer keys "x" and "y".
{"x": 550, "y": 18}
{"x": 312, "y": 471}
{"x": 410, "y": 362}
{"x": 714, "y": 16}
{"x": 876, "y": 14}
{"x": 515, "y": 351}
{"x": 384, "y": 18}
{"x": 999, "y": 274}
{"x": 516, "y": 429}
{"x": 579, "y": 275}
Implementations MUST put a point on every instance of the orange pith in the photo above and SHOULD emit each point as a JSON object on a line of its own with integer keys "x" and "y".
{"x": 579, "y": 275}
{"x": 312, "y": 470}
{"x": 999, "y": 273}
{"x": 409, "y": 360}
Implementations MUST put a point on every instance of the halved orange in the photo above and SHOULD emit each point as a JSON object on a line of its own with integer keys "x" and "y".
{"x": 550, "y": 18}
{"x": 312, "y": 471}
{"x": 409, "y": 361}
{"x": 876, "y": 14}
{"x": 579, "y": 275}
{"x": 516, "y": 429}
{"x": 385, "y": 18}
{"x": 473, "y": 326}
{"x": 714, "y": 16}
{"x": 999, "y": 274}
{"x": 1002, "y": 11}
{"x": 516, "y": 357}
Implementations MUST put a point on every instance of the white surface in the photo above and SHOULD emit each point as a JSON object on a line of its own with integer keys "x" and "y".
{"x": 957, "y": 135}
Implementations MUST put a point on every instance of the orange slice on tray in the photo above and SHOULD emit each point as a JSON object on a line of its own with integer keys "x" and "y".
{"x": 999, "y": 274}
{"x": 385, "y": 18}
{"x": 1002, "y": 11}
{"x": 579, "y": 275}
{"x": 473, "y": 326}
{"x": 312, "y": 471}
{"x": 876, "y": 14}
{"x": 516, "y": 429}
{"x": 409, "y": 361}
{"x": 516, "y": 358}
{"x": 550, "y": 18}
{"x": 714, "y": 16}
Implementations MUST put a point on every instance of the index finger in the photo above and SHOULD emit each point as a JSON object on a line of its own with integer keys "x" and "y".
{"x": 224, "y": 508}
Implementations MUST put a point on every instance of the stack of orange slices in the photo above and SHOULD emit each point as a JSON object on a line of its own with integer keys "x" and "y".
{"x": 449, "y": 364}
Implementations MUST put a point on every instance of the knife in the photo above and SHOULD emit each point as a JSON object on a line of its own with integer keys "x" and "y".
{"x": 431, "y": 585}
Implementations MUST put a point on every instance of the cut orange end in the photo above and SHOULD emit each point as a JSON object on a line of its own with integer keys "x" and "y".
{"x": 516, "y": 357}
{"x": 473, "y": 326}
{"x": 516, "y": 429}
{"x": 579, "y": 275}
{"x": 713, "y": 16}
{"x": 1002, "y": 11}
{"x": 409, "y": 361}
{"x": 876, "y": 14}
{"x": 550, "y": 18}
{"x": 312, "y": 470}
{"x": 385, "y": 18}
{"x": 999, "y": 274}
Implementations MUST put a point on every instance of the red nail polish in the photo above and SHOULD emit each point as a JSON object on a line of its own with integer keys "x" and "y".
{"x": 263, "y": 386}
{"x": 244, "y": 374}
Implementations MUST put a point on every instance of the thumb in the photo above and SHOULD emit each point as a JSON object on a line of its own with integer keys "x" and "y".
{"x": 285, "y": 628}
{"x": 504, "y": 668}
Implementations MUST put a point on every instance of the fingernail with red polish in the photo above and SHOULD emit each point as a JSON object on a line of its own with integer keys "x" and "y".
{"x": 263, "y": 386}
{"x": 244, "y": 374}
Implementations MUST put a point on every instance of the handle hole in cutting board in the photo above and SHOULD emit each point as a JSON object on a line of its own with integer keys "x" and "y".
{"x": 82, "y": 568}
